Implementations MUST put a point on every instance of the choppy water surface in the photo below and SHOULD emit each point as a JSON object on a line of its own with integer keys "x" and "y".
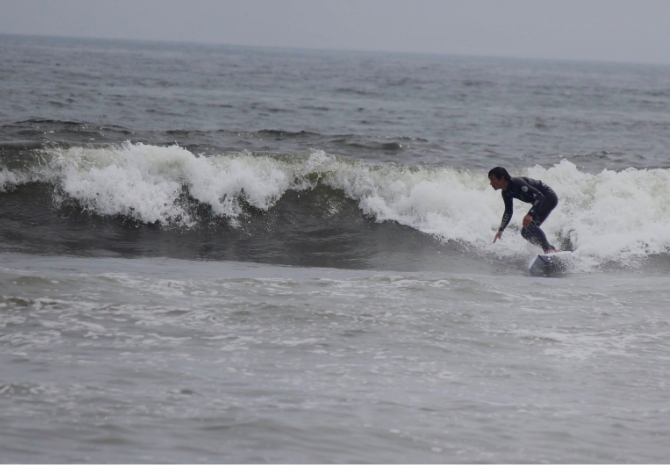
{"x": 219, "y": 254}
{"x": 165, "y": 360}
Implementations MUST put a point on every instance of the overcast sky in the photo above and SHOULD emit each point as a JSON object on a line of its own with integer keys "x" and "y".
{"x": 606, "y": 30}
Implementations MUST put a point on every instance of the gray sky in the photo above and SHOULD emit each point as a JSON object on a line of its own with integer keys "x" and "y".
{"x": 609, "y": 30}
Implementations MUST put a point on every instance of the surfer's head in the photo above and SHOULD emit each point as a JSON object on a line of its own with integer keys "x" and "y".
{"x": 499, "y": 178}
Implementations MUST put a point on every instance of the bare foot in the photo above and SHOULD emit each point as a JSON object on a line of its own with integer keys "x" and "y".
{"x": 551, "y": 251}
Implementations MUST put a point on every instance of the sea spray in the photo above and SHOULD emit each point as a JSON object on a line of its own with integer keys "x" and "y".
{"x": 611, "y": 216}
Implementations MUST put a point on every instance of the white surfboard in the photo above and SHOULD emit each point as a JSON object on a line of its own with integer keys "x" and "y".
{"x": 549, "y": 263}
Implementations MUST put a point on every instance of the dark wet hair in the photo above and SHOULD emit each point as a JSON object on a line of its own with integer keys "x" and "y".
{"x": 500, "y": 172}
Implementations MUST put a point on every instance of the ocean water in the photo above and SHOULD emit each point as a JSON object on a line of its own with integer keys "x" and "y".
{"x": 234, "y": 254}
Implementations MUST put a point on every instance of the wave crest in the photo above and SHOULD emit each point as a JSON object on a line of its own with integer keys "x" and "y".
{"x": 610, "y": 216}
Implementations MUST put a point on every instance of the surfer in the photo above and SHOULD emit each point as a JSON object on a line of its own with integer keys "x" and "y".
{"x": 541, "y": 196}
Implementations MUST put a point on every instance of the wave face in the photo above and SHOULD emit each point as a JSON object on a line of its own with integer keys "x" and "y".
{"x": 329, "y": 208}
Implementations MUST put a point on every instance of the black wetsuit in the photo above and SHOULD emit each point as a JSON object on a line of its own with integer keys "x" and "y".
{"x": 544, "y": 200}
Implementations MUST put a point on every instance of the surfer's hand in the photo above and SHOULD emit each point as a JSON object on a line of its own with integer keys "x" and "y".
{"x": 498, "y": 236}
{"x": 527, "y": 220}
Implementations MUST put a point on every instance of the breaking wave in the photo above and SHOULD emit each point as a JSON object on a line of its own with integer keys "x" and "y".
{"x": 611, "y": 216}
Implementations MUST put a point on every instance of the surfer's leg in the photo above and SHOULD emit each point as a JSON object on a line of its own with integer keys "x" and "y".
{"x": 536, "y": 236}
{"x": 533, "y": 233}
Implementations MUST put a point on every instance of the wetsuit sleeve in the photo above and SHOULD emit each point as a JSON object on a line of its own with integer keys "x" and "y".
{"x": 509, "y": 210}
{"x": 538, "y": 199}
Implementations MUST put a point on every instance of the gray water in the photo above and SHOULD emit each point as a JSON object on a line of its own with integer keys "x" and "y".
{"x": 228, "y": 254}
{"x": 162, "y": 360}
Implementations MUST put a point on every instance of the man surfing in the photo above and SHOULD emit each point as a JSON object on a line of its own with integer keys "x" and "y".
{"x": 541, "y": 196}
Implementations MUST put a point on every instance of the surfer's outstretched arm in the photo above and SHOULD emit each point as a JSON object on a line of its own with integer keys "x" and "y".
{"x": 507, "y": 216}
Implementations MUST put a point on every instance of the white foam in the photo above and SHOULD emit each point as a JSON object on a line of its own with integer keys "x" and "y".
{"x": 619, "y": 216}
{"x": 10, "y": 179}
{"x": 610, "y": 216}
{"x": 146, "y": 182}
{"x": 448, "y": 203}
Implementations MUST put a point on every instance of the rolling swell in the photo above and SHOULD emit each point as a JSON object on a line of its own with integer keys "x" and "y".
{"x": 318, "y": 227}
{"x": 144, "y": 201}
{"x": 312, "y": 209}
{"x": 44, "y": 133}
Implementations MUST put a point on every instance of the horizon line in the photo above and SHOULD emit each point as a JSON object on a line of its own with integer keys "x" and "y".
{"x": 331, "y": 50}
